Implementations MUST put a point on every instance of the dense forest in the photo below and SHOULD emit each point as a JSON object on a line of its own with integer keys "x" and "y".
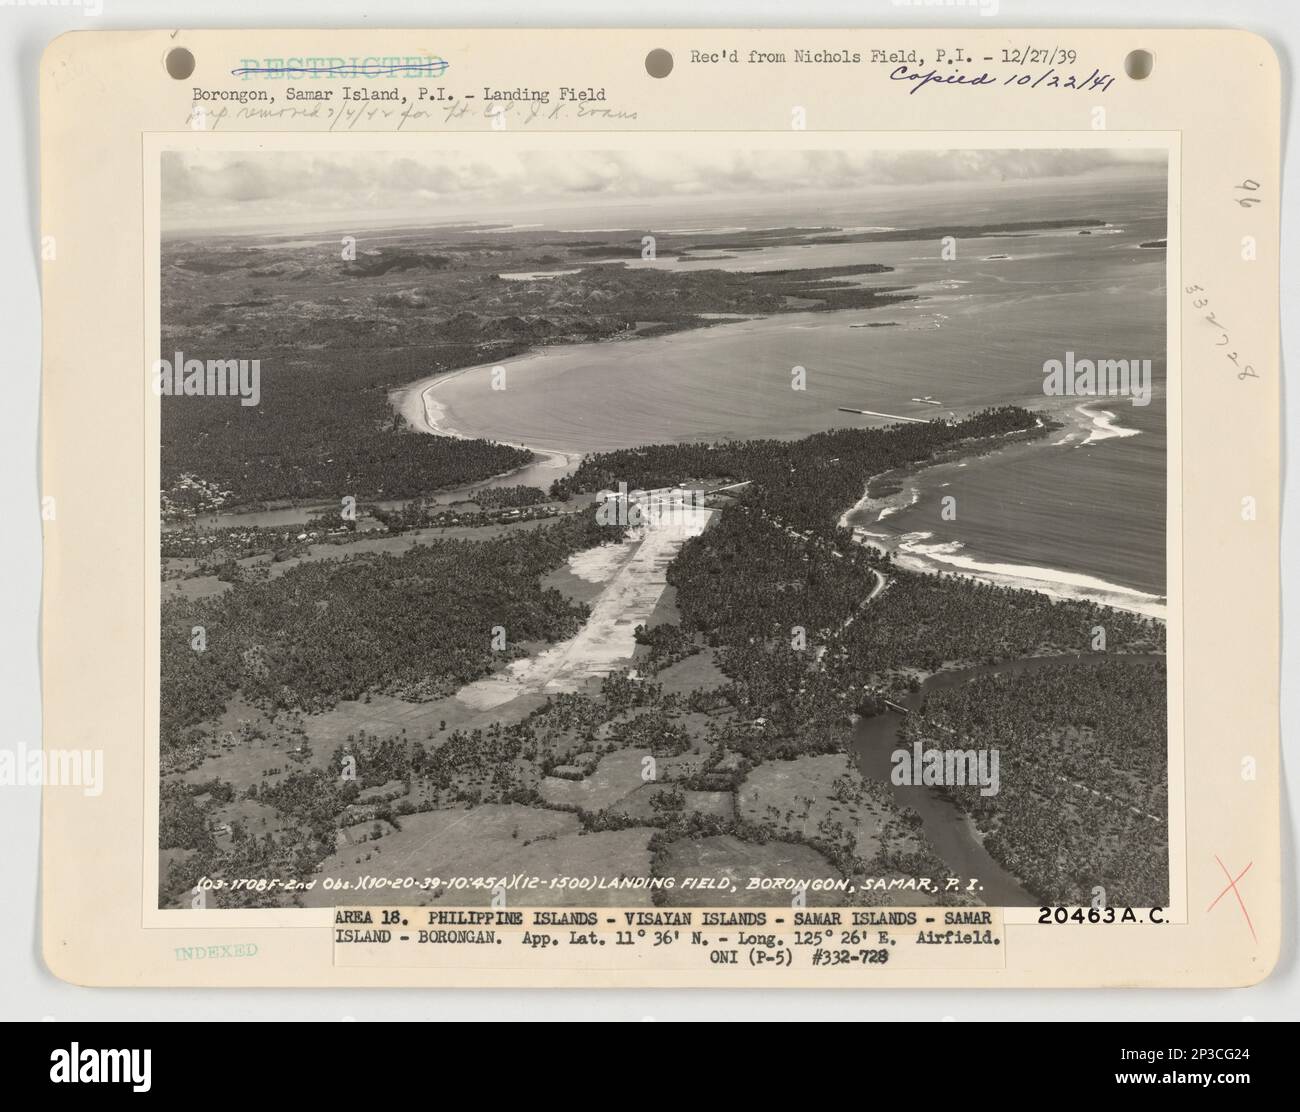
{"x": 792, "y": 624}
{"x": 1084, "y": 752}
{"x": 418, "y": 624}
{"x": 334, "y": 338}
{"x": 808, "y": 483}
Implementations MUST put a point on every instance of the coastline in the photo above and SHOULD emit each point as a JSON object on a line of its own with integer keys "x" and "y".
{"x": 921, "y": 551}
{"x": 1098, "y": 426}
{"x": 424, "y": 413}
{"x": 944, "y": 557}
{"x": 911, "y": 551}
{"x": 915, "y": 551}
{"x": 1086, "y": 424}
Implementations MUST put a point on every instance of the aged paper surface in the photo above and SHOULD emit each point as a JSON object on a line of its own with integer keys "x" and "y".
{"x": 658, "y": 508}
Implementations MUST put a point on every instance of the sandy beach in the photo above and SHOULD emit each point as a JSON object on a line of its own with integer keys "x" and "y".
{"x": 419, "y": 405}
{"x": 920, "y": 550}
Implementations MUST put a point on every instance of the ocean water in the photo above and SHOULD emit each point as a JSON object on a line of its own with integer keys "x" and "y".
{"x": 1084, "y": 510}
{"x": 1087, "y": 518}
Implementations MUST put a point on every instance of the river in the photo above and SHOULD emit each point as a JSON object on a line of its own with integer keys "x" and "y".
{"x": 946, "y": 827}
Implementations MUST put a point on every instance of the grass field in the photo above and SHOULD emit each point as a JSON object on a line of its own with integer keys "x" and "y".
{"x": 640, "y": 804}
{"x": 617, "y": 775}
{"x": 727, "y": 856}
{"x": 492, "y": 841}
{"x": 698, "y": 671}
{"x": 799, "y": 796}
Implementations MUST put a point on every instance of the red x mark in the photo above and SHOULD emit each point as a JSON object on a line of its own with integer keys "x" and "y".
{"x": 1232, "y": 887}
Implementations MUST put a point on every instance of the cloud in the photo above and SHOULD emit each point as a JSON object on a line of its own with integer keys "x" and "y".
{"x": 217, "y": 188}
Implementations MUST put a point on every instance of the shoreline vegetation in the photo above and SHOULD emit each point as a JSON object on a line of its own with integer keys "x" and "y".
{"x": 353, "y": 640}
{"x": 368, "y": 327}
{"x": 361, "y": 345}
{"x": 887, "y": 493}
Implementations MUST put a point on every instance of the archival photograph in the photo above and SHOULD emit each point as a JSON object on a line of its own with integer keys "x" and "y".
{"x": 719, "y": 526}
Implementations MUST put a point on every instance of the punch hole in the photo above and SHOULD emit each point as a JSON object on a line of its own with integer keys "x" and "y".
{"x": 659, "y": 63}
{"x": 1138, "y": 64}
{"x": 180, "y": 63}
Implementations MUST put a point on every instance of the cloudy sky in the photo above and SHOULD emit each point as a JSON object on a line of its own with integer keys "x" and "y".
{"x": 222, "y": 189}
